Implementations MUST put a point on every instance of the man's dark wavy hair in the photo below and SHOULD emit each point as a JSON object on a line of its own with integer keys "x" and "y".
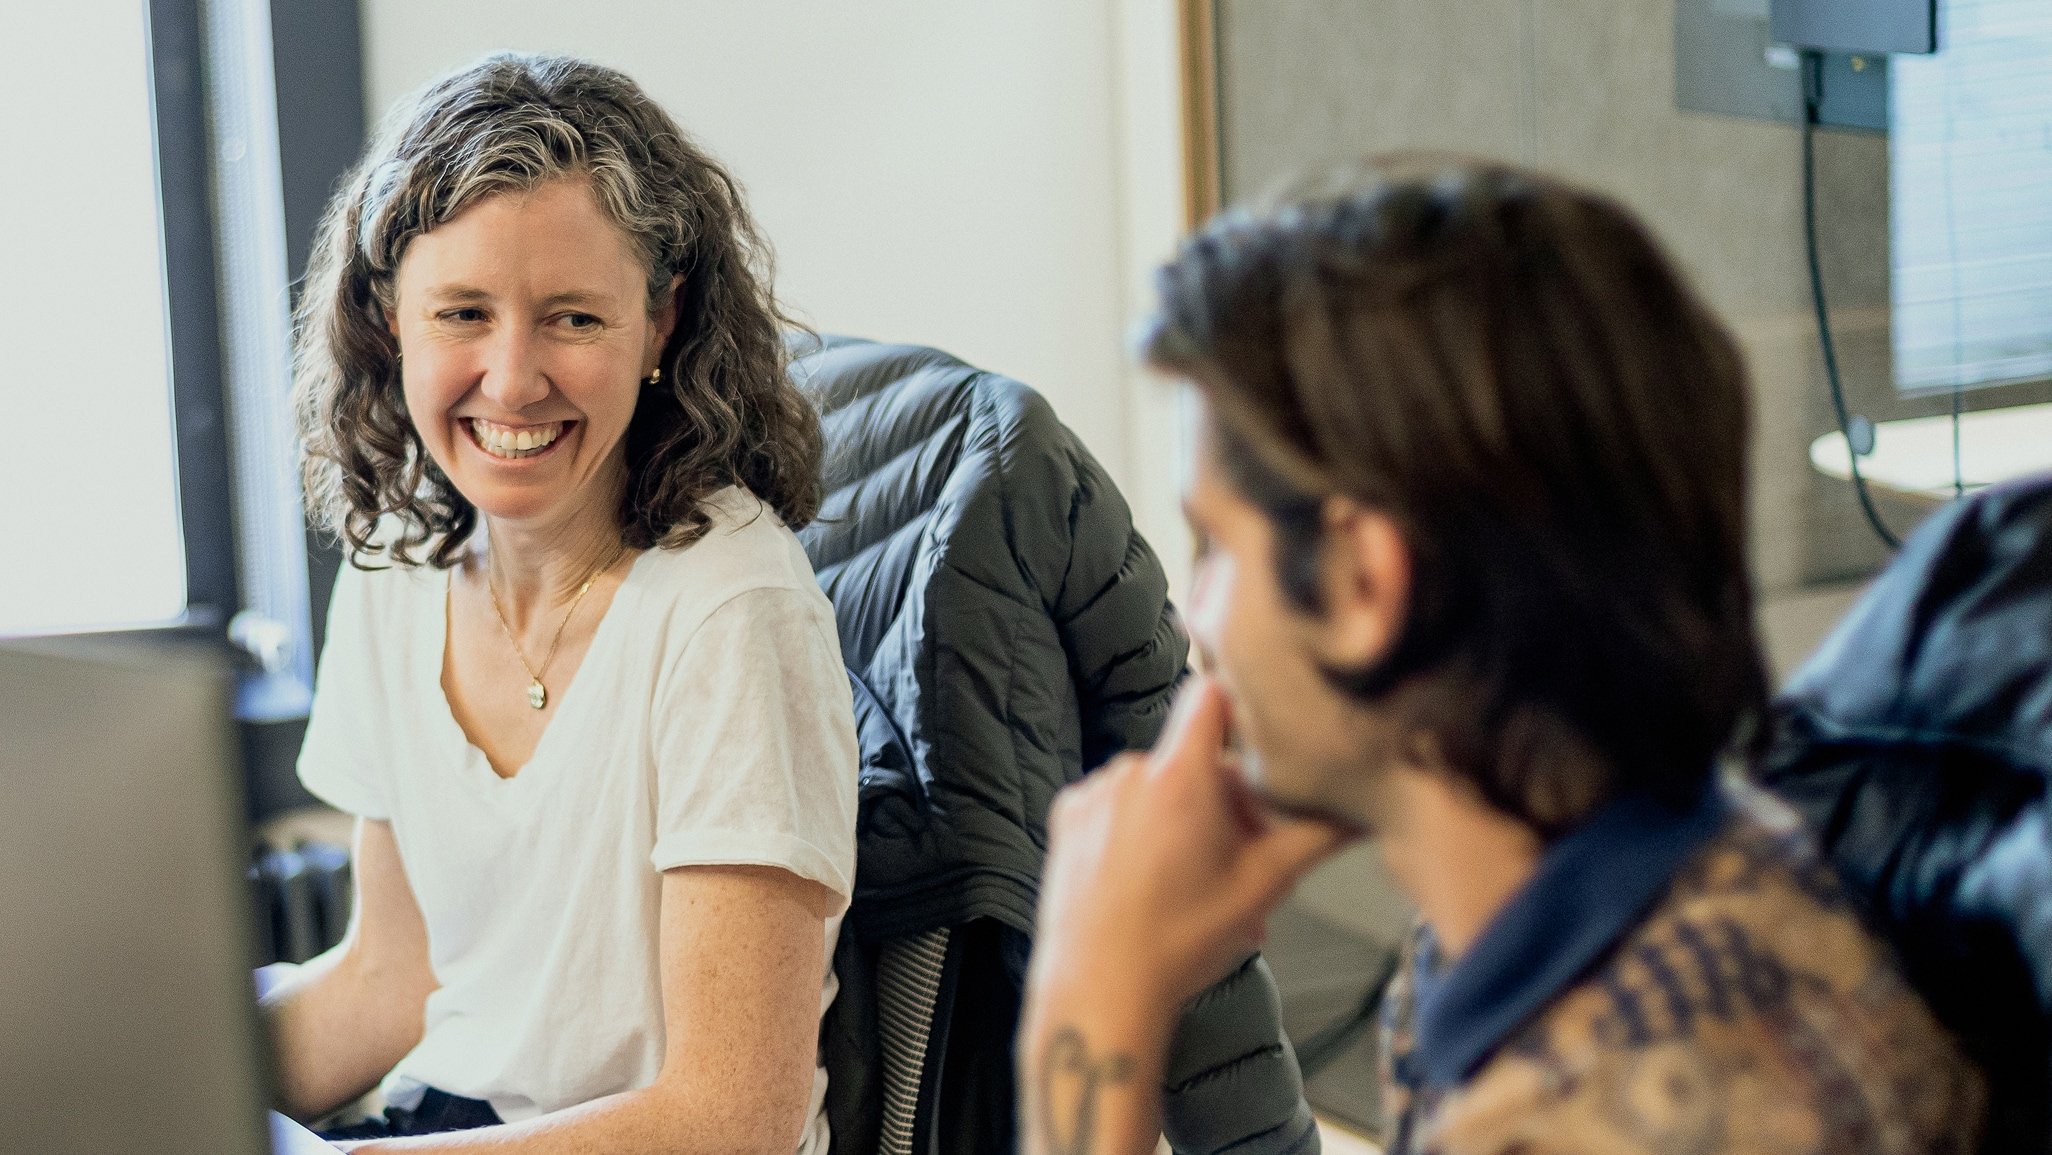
{"x": 1513, "y": 371}
{"x": 724, "y": 412}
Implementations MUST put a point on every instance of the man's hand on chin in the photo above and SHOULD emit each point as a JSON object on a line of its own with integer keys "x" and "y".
{"x": 1161, "y": 873}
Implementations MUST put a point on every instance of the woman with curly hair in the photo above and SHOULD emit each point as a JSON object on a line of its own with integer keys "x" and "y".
{"x": 579, "y": 688}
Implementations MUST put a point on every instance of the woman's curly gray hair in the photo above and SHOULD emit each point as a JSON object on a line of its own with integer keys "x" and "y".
{"x": 724, "y": 412}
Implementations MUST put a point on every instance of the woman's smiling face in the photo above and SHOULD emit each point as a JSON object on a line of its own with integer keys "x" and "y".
{"x": 525, "y": 332}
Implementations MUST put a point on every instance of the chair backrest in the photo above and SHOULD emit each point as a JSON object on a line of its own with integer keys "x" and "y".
{"x": 909, "y": 976}
{"x": 1005, "y": 629}
{"x": 1918, "y": 743}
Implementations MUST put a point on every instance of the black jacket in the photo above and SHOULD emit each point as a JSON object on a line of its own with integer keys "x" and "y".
{"x": 1006, "y": 629}
{"x": 1918, "y": 742}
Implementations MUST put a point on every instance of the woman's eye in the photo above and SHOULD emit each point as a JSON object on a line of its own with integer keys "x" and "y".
{"x": 464, "y": 316}
{"x": 580, "y": 322}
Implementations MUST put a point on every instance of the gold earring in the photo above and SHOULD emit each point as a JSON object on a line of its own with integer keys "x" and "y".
{"x": 656, "y": 378}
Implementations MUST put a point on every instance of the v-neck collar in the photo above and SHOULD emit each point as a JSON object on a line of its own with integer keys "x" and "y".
{"x": 435, "y": 656}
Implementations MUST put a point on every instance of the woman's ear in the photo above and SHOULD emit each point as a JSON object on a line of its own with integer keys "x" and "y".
{"x": 1365, "y": 580}
{"x": 665, "y": 317}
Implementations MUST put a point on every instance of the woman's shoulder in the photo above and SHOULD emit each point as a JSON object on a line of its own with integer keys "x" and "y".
{"x": 377, "y": 583}
{"x": 746, "y": 547}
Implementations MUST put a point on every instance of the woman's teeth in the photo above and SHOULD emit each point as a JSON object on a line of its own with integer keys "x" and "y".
{"x": 506, "y": 441}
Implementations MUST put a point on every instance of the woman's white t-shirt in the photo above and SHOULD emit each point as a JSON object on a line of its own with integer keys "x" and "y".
{"x": 709, "y": 724}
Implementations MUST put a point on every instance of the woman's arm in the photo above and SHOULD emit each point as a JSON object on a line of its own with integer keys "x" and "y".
{"x": 743, "y": 958}
{"x": 349, "y": 1016}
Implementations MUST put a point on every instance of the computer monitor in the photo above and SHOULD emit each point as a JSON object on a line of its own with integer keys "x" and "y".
{"x": 127, "y": 1016}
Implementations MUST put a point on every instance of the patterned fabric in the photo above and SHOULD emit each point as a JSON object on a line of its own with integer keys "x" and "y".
{"x": 908, "y": 982}
{"x": 1749, "y": 1011}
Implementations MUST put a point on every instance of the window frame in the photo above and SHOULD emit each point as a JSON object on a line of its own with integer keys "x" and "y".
{"x": 198, "y": 403}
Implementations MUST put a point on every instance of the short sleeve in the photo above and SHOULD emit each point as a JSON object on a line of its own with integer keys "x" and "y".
{"x": 754, "y": 733}
{"x": 343, "y": 760}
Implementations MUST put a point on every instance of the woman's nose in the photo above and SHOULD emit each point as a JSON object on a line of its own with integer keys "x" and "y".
{"x": 513, "y": 374}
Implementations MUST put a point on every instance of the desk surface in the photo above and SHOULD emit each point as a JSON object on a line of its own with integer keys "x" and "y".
{"x": 289, "y": 1138}
{"x": 1913, "y": 458}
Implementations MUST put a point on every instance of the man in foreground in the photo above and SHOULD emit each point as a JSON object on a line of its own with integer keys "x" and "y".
{"x": 1471, "y": 488}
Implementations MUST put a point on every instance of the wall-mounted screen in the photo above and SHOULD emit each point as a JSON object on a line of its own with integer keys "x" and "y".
{"x": 1970, "y": 199}
{"x": 1853, "y": 25}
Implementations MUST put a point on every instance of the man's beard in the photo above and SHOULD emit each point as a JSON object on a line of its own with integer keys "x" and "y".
{"x": 1247, "y": 764}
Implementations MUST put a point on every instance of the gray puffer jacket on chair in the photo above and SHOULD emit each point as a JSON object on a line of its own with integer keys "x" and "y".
{"x": 1006, "y": 629}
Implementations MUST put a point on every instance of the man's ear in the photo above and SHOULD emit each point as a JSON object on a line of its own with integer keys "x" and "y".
{"x": 1365, "y": 580}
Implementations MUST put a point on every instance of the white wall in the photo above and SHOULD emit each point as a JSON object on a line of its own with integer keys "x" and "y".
{"x": 88, "y": 403}
{"x": 986, "y": 177}
{"x": 1159, "y": 413}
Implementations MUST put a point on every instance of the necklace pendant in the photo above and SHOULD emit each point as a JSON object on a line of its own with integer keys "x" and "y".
{"x": 537, "y": 696}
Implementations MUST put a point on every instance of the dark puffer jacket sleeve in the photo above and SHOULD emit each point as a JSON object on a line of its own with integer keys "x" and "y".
{"x": 1918, "y": 743}
{"x": 1124, "y": 679}
{"x": 1232, "y": 1067}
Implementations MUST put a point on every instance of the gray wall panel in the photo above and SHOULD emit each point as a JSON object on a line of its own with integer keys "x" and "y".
{"x": 1586, "y": 88}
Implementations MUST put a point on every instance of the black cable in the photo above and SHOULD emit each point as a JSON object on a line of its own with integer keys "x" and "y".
{"x": 1958, "y": 476}
{"x": 1813, "y": 97}
{"x": 1952, "y": 257}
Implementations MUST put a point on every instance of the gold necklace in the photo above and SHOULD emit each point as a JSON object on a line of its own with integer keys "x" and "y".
{"x": 537, "y": 694}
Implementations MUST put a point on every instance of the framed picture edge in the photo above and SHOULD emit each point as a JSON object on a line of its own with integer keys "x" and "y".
{"x": 1203, "y": 163}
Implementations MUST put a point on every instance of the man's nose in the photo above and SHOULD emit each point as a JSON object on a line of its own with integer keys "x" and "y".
{"x": 1200, "y": 618}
